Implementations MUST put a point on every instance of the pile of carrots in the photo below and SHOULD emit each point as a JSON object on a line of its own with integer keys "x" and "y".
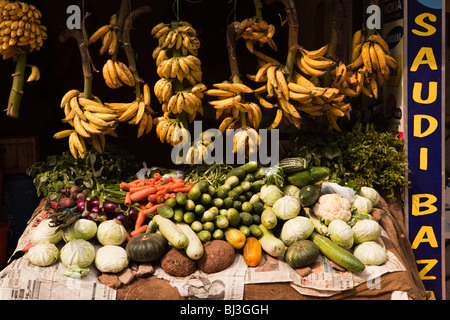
{"x": 151, "y": 194}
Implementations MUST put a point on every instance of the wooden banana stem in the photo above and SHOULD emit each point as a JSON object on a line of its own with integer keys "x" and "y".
{"x": 232, "y": 58}
{"x": 293, "y": 46}
{"x": 123, "y": 12}
{"x": 16, "y": 93}
{"x": 85, "y": 58}
{"x": 126, "y": 43}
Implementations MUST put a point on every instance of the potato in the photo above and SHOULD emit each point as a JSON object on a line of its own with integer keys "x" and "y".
{"x": 217, "y": 256}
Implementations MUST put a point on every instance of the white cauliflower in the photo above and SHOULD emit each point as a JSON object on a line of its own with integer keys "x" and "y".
{"x": 332, "y": 206}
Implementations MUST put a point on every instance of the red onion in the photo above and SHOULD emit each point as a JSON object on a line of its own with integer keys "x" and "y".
{"x": 93, "y": 203}
{"x": 66, "y": 202}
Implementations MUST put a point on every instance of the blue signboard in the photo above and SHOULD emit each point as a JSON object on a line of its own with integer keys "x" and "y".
{"x": 424, "y": 67}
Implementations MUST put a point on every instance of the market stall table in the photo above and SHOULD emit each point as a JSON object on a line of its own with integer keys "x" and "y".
{"x": 401, "y": 284}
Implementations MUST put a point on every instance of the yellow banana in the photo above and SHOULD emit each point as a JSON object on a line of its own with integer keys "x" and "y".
{"x": 316, "y": 54}
{"x": 146, "y": 94}
{"x": 75, "y": 106}
{"x": 79, "y": 127}
{"x": 89, "y": 128}
{"x": 106, "y": 42}
{"x": 282, "y": 84}
{"x": 130, "y": 112}
{"x": 113, "y": 44}
{"x": 142, "y": 125}
{"x": 376, "y": 38}
{"x": 99, "y": 33}
{"x": 107, "y": 76}
{"x": 72, "y": 148}
{"x": 96, "y": 143}
{"x": 319, "y": 63}
{"x": 365, "y": 54}
{"x": 68, "y": 96}
{"x": 225, "y": 123}
{"x": 381, "y": 58}
{"x": 277, "y": 120}
{"x": 62, "y": 134}
{"x": 374, "y": 58}
{"x": 219, "y": 93}
{"x": 35, "y": 74}
{"x": 96, "y": 120}
{"x": 124, "y": 73}
{"x": 140, "y": 112}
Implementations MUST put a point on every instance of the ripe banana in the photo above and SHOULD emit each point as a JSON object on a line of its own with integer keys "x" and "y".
{"x": 256, "y": 31}
{"x": 124, "y": 73}
{"x": 35, "y": 74}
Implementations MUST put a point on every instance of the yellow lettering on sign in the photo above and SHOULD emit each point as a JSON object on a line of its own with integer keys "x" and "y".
{"x": 424, "y": 56}
{"x": 431, "y": 295}
{"x": 429, "y": 264}
{"x": 432, "y": 92}
{"x": 425, "y": 234}
{"x": 428, "y": 203}
{"x": 423, "y": 159}
{"x": 420, "y": 21}
{"x": 418, "y": 132}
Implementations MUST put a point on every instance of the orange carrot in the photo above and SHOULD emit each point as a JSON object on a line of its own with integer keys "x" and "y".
{"x": 134, "y": 189}
{"x": 128, "y": 201}
{"x": 152, "y": 197}
{"x": 165, "y": 180}
{"x": 175, "y": 179}
{"x": 184, "y": 189}
{"x": 142, "y": 194}
{"x": 174, "y": 186}
{"x": 128, "y": 237}
{"x": 149, "y": 205}
{"x": 144, "y": 213}
{"x": 124, "y": 186}
{"x": 157, "y": 176}
{"x": 139, "y": 230}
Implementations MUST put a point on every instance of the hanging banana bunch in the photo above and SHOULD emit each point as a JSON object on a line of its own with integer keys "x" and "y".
{"x": 108, "y": 35}
{"x": 90, "y": 119}
{"x": 371, "y": 57}
{"x": 180, "y": 90}
{"x": 256, "y": 31}
{"x": 21, "y": 32}
{"x": 20, "y": 29}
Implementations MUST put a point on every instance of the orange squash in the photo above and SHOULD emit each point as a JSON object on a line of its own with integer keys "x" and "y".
{"x": 252, "y": 252}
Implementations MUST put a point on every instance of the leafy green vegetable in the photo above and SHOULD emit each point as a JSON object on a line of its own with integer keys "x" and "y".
{"x": 64, "y": 171}
{"x": 361, "y": 156}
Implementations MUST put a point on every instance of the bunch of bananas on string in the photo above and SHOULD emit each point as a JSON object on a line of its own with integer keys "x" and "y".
{"x": 188, "y": 100}
{"x": 108, "y": 34}
{"x": 116, "y": 74}
{"x": 138, "y": 112}
{"x": 230, "y": 102}
{"x": 171, "y": 131}
{"x": 181, "y": 68}
{"x": 313, "y": 63}
{"x": 256, "y": 31}
{"x": 180, "y": 90}
{"x": 181, "y": 37}
{"x": 371, "y": 57}
{"x": 21, "y": 30}
{"x": 91, "y": 121}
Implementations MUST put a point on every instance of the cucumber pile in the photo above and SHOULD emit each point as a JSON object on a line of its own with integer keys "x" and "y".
{"x": 211, "y": 211}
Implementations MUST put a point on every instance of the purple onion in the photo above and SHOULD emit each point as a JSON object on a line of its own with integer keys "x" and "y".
{"x": 93, "y": 203}
{"x": 96, "y": 210}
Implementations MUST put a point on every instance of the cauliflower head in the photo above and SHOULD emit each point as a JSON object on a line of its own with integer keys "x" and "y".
{"x": 332, "y": 206}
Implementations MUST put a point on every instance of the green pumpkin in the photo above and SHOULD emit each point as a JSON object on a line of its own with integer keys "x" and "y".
{"x": 146, "y": 247}
{"x": 301, "y": 253}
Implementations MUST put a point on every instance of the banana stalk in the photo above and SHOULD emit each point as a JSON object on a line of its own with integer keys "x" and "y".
{"x": 232, "y": 58}
{"x": 337, "y": 9}
{"x": 291, "y": 12}
{"x": 15, "y": 96}
{"x": 85, "y": 58}
{"x": 123, "y": 11}
{"x": 126, "y": 40}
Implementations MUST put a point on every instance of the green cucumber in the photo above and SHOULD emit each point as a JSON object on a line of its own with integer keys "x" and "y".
{"x": 232, "y": 181}
{"x": 195, "y": 193}
{"x": 337, "y": 254}
{"x": 194, "y": 248}
{"x": 310, "y": 176}
{"x": 245, "y": 218}
{"x": 181, "y": 198}
{"x": 202, "y": 185}
{"x": 233, "y": 217}
{"x": 257, "y": 185}
{"x": 239, "y": 172}
{"x": 222, "y": 191}
{"x": 165, "y": 211}
{"x": 250, "y": 166}
{"x": 178, "y": 214}
{"x": 255, "y": 230}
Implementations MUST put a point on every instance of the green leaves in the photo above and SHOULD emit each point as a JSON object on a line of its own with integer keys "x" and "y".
{"x": 362, "y": 156}
{"x": 63, "y": 171}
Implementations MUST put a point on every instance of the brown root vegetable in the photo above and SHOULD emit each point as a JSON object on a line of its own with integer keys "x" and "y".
{"x": 217, "y": 256}
{"x": 176, "y": 263}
